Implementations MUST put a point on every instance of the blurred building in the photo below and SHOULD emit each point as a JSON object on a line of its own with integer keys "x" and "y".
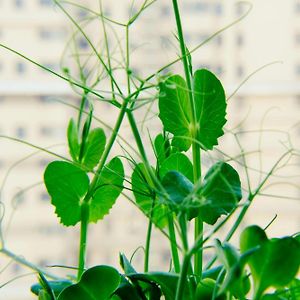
{"x": 34, "y": 108}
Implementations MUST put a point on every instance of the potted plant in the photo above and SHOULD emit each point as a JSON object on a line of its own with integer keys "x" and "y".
{"x": 172, "y": 190}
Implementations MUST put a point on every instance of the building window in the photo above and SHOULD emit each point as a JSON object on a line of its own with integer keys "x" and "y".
{"x": 218, "y": 9}
{"x": 46, "y": 2}
{"x": 219, "y": 70}
{"x": 83, "y": 44}
{"x": 219, "y": 40}
{"x": 240, "y": 40}
{"x": 165, "y": 10}
{"x": 297, "y": 70}
{"x": 19, "y": 3}
{"x": 44, "y": 197}
{"x": 240, "y": 71}
{"x": 20, "y": 68}
{"x": 20, "y": 132}
{"x": 196, "y": 7}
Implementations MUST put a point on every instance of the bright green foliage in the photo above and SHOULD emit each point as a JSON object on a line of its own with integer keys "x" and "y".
{"x": 221, "y": 191}
{"x": 99, "y": 283}
{"x": 109, "y": 187}
{"x": 210, "y": 104}
{"x": 74, "y": 145}
{"x": 55, "y": 286}
{"x": 205, "y": 290}
{"x": 276, "y": 261}
{"x": 67, "y": 185}
{"x": 236, "y": 280}
{"x": 146, "y": 198}
{"x": 175, "y": 111}
{"x": 177, "y": 162}
{"x": 166, "y": 282}
{"x": 162, "y": 148}
{"x": 93, "y": 148}
{"x": 44, "y": 295}
{"x": 178, "y": 191}
{"x": 87, "y": 152}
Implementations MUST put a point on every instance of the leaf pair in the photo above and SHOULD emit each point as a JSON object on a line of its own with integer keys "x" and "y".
{"x": 68, "y": 184}
{"x": 176, "y": 111}
{"x": 89, "y": 151}
{"x": 218, "y": 195}
{"x": 276, "y": 261}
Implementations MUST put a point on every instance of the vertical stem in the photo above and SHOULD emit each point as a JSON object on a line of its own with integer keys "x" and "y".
{"x": 147, "y": 246}
{"x": 195, "y": 145}
{"x": 183, "y": 275}
{"x": 174, "y": 250}
{"x": 83, "y": 238}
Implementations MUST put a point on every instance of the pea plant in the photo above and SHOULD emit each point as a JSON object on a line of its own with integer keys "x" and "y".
{"x": 171, "y": 190}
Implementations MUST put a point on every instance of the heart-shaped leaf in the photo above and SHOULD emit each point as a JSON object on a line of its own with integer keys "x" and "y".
{"x": 210, "y": 104}
{"x": 97, "y": 283}
{"x": 146, "y": 198}
{"x": 177, "y": 162}
{"x": 67, "y": 185}
{"x": 221, "y": 191}
{"x": 93, "y": 148}
{"x": 175, "y": 110}
{"x": 275, "y": 263}
{"x": 109, "y": 187}
{"x": 73, "y": 142}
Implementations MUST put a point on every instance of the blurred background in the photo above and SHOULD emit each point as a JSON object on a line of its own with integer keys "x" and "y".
{"x": 35, "y": 106}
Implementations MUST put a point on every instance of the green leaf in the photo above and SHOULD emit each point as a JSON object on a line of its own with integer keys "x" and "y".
{"x": 179, "y": 192}
{"x": 146, "y": 198}
{"x": 127, "y": 291}
{"x": 221, "y": 191}
{"x": 236, "y": 279}
{"x": 97, "y": 283}
{"x": 210, "y": 104}
{"x": 66, "y": 185}
{"x": 73, "y": 142}
{"x": 162, "y": 148}
{"x": 109, "y": 187}
{"x": 126, "y": 265}
{"x": 166, "y": 281}
{"x": 275, "y": 263}
{"x": 205, "y": 289}
{"x": 175, "y": 111}
{"x": 44, "y": 295}
{"x": 50, "y": 287}
{"x": 93, "y": 148}
{"x": 177, "y": 162}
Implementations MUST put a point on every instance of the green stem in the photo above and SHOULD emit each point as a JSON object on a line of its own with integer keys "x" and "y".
{"x": 174, "y": 249}
{"x": 195, "y": 145}
{"x": 147, "y": 246}
{"x": 107, "y": 149}
{"x": 183, "y": 276}
{"x": 83, "y": 238}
